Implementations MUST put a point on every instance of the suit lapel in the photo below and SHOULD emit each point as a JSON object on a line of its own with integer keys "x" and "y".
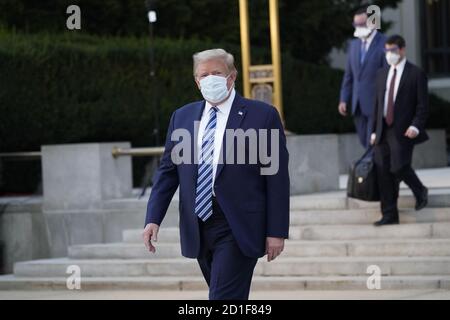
{"x": 371, "y": 50}
{"x": 193, "y": 130}
{"x": 196, "y": 116}
{"x": 382, "y": 92}
{"x": 403, "y": 79}
{"x": 357, "y": 50}
{"x": 385, "y": 77}
{"x": 237, "y": 114}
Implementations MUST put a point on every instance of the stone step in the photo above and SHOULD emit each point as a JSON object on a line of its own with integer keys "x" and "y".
{"x": 259, "y": 283}
{"x": 343, "y": 266}
{"x": 365, "y": 216}
{"x": 124, "y": 251}
{"x": 305, "y": 266}
{"x": 438, "y": 198}
{"x": 350, "y": 232}
{"x": 166, "y": 234}
{"x": 436, "y": 230}
{"x": 336, "y": 200}
{"x": 134, "y": 204}
{"x": 139, "y": 206}
{"x": 293, "y": 248}
{"x": 332, "y": 217}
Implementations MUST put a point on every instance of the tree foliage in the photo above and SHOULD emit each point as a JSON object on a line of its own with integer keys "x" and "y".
{"x": 309, "y": 29}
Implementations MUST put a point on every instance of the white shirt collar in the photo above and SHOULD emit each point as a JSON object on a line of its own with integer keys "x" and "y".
{"x": 400, "y": 67}
{"x": 225, "y": 106}
{"x": 370, "y": 38}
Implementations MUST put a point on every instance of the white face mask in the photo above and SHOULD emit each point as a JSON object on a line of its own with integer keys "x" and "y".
{"x": 362, "y": 32}
{"x": 214, "y": 88}
{"x": 392, "y": 58}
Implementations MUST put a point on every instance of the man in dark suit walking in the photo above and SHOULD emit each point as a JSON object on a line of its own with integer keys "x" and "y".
{"x": 231, "y": 211}
{"x": 401, "y": 113}
{"x": 365, "y": 57}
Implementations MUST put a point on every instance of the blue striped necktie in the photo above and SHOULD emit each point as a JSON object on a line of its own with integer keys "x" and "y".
{"x": 203, "y": 196}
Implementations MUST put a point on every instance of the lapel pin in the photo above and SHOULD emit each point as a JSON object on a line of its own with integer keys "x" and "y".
{"x": 240, "y": 113}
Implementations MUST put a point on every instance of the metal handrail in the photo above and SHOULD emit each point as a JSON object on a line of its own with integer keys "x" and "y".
{"x": 32, "y": 155}
{"x": 116, "y": 152}
{"x": 137, "y": 152}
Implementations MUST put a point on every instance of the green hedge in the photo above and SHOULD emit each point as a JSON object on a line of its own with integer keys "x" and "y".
{"x": 72, "y": 88}
{"x": 75, "y": 88}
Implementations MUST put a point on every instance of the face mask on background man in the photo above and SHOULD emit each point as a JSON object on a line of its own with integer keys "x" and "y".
{"x": 362, "y": 32}
{"x": 392, "y": 58}
{"x": 214, "y": 88}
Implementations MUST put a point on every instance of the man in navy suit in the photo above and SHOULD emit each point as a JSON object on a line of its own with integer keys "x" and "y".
{"x": 231, "y": 211}
{"x": 365, "y": 57}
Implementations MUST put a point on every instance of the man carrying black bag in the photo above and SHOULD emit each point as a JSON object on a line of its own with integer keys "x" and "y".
{"x": 401, "y": 111}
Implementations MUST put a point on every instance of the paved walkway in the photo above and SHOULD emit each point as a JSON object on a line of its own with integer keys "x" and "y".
{"x": 202, "y": 295}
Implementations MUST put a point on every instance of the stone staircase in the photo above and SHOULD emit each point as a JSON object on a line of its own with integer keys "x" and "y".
{"x": 332, "y": 243}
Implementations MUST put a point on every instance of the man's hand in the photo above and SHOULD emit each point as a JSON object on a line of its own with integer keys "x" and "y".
{"x": 411, "y": 133}
{"x": 274, "y": 246}
{"x": 150, "y": 234}
{"x": 342, "y": 108}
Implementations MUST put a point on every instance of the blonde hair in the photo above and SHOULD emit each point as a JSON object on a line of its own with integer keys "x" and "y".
{"x": 214, "y": 54}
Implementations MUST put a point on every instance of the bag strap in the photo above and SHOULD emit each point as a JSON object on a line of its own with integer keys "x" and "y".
{"x": 365, "y": 154}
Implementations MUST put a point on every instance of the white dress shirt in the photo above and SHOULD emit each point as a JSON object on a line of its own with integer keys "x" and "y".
{"x": 222, "y": 118}
{"x": 369, "y": 40}
{"x": 400, "y": 67}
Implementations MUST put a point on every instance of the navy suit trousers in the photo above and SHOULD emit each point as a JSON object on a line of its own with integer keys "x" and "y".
{"x": 226, "y": 269}
{"x": 363, "y": 127}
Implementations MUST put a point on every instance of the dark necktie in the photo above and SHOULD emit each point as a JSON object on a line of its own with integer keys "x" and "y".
{"x": 390, "y": 103}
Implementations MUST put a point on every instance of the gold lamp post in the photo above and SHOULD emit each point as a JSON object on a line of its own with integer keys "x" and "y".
{"x": 262, "y": 82}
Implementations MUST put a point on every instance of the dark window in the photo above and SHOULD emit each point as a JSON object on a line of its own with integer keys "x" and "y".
{"x": 436, "y": 36}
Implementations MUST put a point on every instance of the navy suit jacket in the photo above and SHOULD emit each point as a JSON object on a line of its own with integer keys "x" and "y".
{"x": 256, "y": 206}
{"x": 358, "y": 84}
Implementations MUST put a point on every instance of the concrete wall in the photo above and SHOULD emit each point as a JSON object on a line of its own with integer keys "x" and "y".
{"x": 316, "y": 161}
{"x": 87, "y": 199}
{"x": 81, "y": 176}
{"x": 431, "y": 154}
{"x": 440, "y": 87}
{"x": 406, "y": 21}
{"x": 27, "y": 233}
{"x": 313, "y": 163}
{"x": 22, "y": 237}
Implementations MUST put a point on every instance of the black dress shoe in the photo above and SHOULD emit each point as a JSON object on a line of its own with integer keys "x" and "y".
{"x": 423, "y": 200}
{"x": 385, "y": 221}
